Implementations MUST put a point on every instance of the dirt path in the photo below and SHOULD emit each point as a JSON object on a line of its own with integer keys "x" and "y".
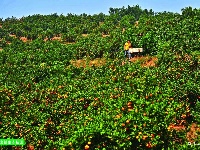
{"x": 83, "y": 63}
{"x": 145, "y": 61}
{"x": 56, "y": 38}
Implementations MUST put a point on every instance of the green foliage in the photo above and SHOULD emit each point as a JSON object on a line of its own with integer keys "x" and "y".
{"x": 52, "y": 104}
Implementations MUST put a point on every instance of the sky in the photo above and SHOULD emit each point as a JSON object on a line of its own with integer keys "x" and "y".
{"x": 20, "y": 8}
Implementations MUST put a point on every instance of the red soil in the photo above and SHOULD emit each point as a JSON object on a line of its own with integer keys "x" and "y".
{"x": 145, "y": 61}
{"x": 24, "y": 39}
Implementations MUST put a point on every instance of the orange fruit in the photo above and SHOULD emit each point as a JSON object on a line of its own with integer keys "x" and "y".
{"x": 183, "y": 116}
{"x": 118, "y": 116}
{"x": 127, "y": 121}
{"x": 89, "y": 143}
{"x": 123, "y": 125}
{"x": 144, "y": 137}
{"x": 30, "y": 147}
{"x": 96, "y": 99}
{"x": 148, "y": 145}
{"x": 87, "y": 147}
{"x": 70, "y": 143}
{"x": 129, "y": 103}
{"x": 129, "y": 106}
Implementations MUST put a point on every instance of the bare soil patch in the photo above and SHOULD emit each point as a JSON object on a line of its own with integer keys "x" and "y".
{"x": 68, "y": 42}
{"x": 151, "y": 62}
{"x": 56, "y": 38}
{"x": 83, "y": 63}
{"x": 8, "y": 42}
{"x": 145, "y": 61}
{"x": 24, "y": 39}
{"x": 105, "y": 35}
{"x": 12, "y": 35}
{"x": 191, "y": 135}
{"x": 45, "y": 39}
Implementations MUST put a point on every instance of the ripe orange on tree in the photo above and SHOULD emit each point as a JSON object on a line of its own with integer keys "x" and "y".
{"x": 30, "y": 147}
{"x": 130, "y": 106}
{"x": 118, "y": 116}
{"x": 96, "y": 99}
{"x": 144, "y": 137}
{"x": 87, "y": 147}
{"x": 148, "y": 145}
{"x": 123, "y": 125}
{"x": 129, "y": 103}
{"x": 89, "y": 143}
